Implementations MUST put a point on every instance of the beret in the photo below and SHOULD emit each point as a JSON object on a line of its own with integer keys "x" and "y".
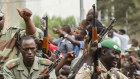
{"x": 111, "y": 44}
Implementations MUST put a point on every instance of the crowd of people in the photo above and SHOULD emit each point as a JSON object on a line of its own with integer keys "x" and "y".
{"x": 21, "y": 55}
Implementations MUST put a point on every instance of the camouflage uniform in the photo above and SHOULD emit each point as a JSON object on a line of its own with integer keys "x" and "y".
{"x": 9, "y": 42}
{"x": 85, "y": 73}
{"x": 11, "y": 51}
{"x": 15, "y": 69}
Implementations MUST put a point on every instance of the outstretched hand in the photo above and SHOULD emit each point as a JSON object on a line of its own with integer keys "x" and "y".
{"x": 55, "y": 30}
{"x": 25, "y": 13}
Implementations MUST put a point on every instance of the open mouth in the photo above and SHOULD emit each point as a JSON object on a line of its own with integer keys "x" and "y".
{"x": 114, "y": 63}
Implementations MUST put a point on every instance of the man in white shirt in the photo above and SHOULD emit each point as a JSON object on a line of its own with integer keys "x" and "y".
{"x": 114, "y": 38}
{"x": 123, "y": 37}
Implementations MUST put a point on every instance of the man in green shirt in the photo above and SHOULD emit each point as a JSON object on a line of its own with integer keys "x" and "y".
{"x": 9, "y": 40}
{"x": 28, "y": 66}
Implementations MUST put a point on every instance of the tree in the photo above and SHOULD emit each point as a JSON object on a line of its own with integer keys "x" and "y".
{"x": 122, "y": 8}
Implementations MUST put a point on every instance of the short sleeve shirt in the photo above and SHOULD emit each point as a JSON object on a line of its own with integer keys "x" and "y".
{"x": 77, "y": 48}
{"x": 64, "y": 45}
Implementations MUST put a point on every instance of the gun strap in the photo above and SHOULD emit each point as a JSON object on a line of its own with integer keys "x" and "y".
{"x": 115, "y": 72}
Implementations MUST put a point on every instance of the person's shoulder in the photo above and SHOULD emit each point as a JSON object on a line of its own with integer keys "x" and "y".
{"x": 58, "y": 40}
{"x": 120, "y": 74}
{"x": 44, "y": 61}
{"x": 67, "y": 41}
{"x": 13, "y": 29}
{"x": 12, "y": 63}
{"x": 115, "y": 37}
{"x": 82, "y": 42}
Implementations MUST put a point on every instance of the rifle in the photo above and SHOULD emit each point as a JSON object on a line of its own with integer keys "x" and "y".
{"x": 49, "y": 69}
{"x": 94, "y": 28}
{"x": 94, "y": 42}
{"x": 46, "y": 40}
{"x": 100, "y": 38}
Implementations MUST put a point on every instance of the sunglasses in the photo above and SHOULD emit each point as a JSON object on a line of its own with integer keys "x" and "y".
{"x": 1, "y": 18}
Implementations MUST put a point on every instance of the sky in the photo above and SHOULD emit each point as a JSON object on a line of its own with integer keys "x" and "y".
{"x": 61, "y": 8}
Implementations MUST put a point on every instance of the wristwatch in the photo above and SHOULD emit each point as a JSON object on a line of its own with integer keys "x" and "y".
{"x": 66, "y": 35}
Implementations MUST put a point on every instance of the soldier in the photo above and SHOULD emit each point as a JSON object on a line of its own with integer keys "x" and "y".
{"x": 8, "y": 48}
{"x": 28, "y": 66}
{"x": 108, "y": 58}
{"x": 29, "y": 30}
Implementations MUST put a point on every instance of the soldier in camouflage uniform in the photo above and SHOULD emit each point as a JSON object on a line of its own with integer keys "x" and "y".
{"x": 108, "y": 59}
{"x": 28, "y": 66}
{"x": 29, "y": 30}
{"x": 9, "y": 40}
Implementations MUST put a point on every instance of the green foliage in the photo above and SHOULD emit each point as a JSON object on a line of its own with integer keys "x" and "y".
{"x": 122, "y": 7}
{"x": 36, "y": 21}
{"x": 54, "y": 22}
{"x": 22, "y": 24}
{"x": 57, "y": 22}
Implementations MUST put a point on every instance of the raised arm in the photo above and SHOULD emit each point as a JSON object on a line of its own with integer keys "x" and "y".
{"x": 26, "y": 14}
{"x": 69, "y": 37}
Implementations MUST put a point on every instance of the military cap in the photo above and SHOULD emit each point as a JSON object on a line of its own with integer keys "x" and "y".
{"x": 1, "y": 14}
{"x": 111, "y": 44}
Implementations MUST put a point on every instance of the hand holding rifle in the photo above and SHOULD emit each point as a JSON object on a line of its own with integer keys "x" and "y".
{"x": 69, "y": 57}
{"x": 43, "y": 24}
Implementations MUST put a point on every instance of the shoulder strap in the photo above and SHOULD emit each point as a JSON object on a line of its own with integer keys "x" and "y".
{"x": 11, "y": 65}
{"x": 45, "y": 62}
{"x": 115, "y": 72}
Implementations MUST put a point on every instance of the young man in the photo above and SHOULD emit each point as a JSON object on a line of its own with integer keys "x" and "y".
{"x": 108, "y": 58}
{"x": 28, "y": 66}
{"x": 123, "y": 37}
{"x": 62, "y": 43}
{"x": 89, "y": 19}
{"x": 78, "y": 40}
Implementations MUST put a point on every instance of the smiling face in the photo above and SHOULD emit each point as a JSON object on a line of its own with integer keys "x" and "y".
{"x": 110, "y": 57}
{"x": 77, "y": 34}
{"x": 28, "y": 50}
